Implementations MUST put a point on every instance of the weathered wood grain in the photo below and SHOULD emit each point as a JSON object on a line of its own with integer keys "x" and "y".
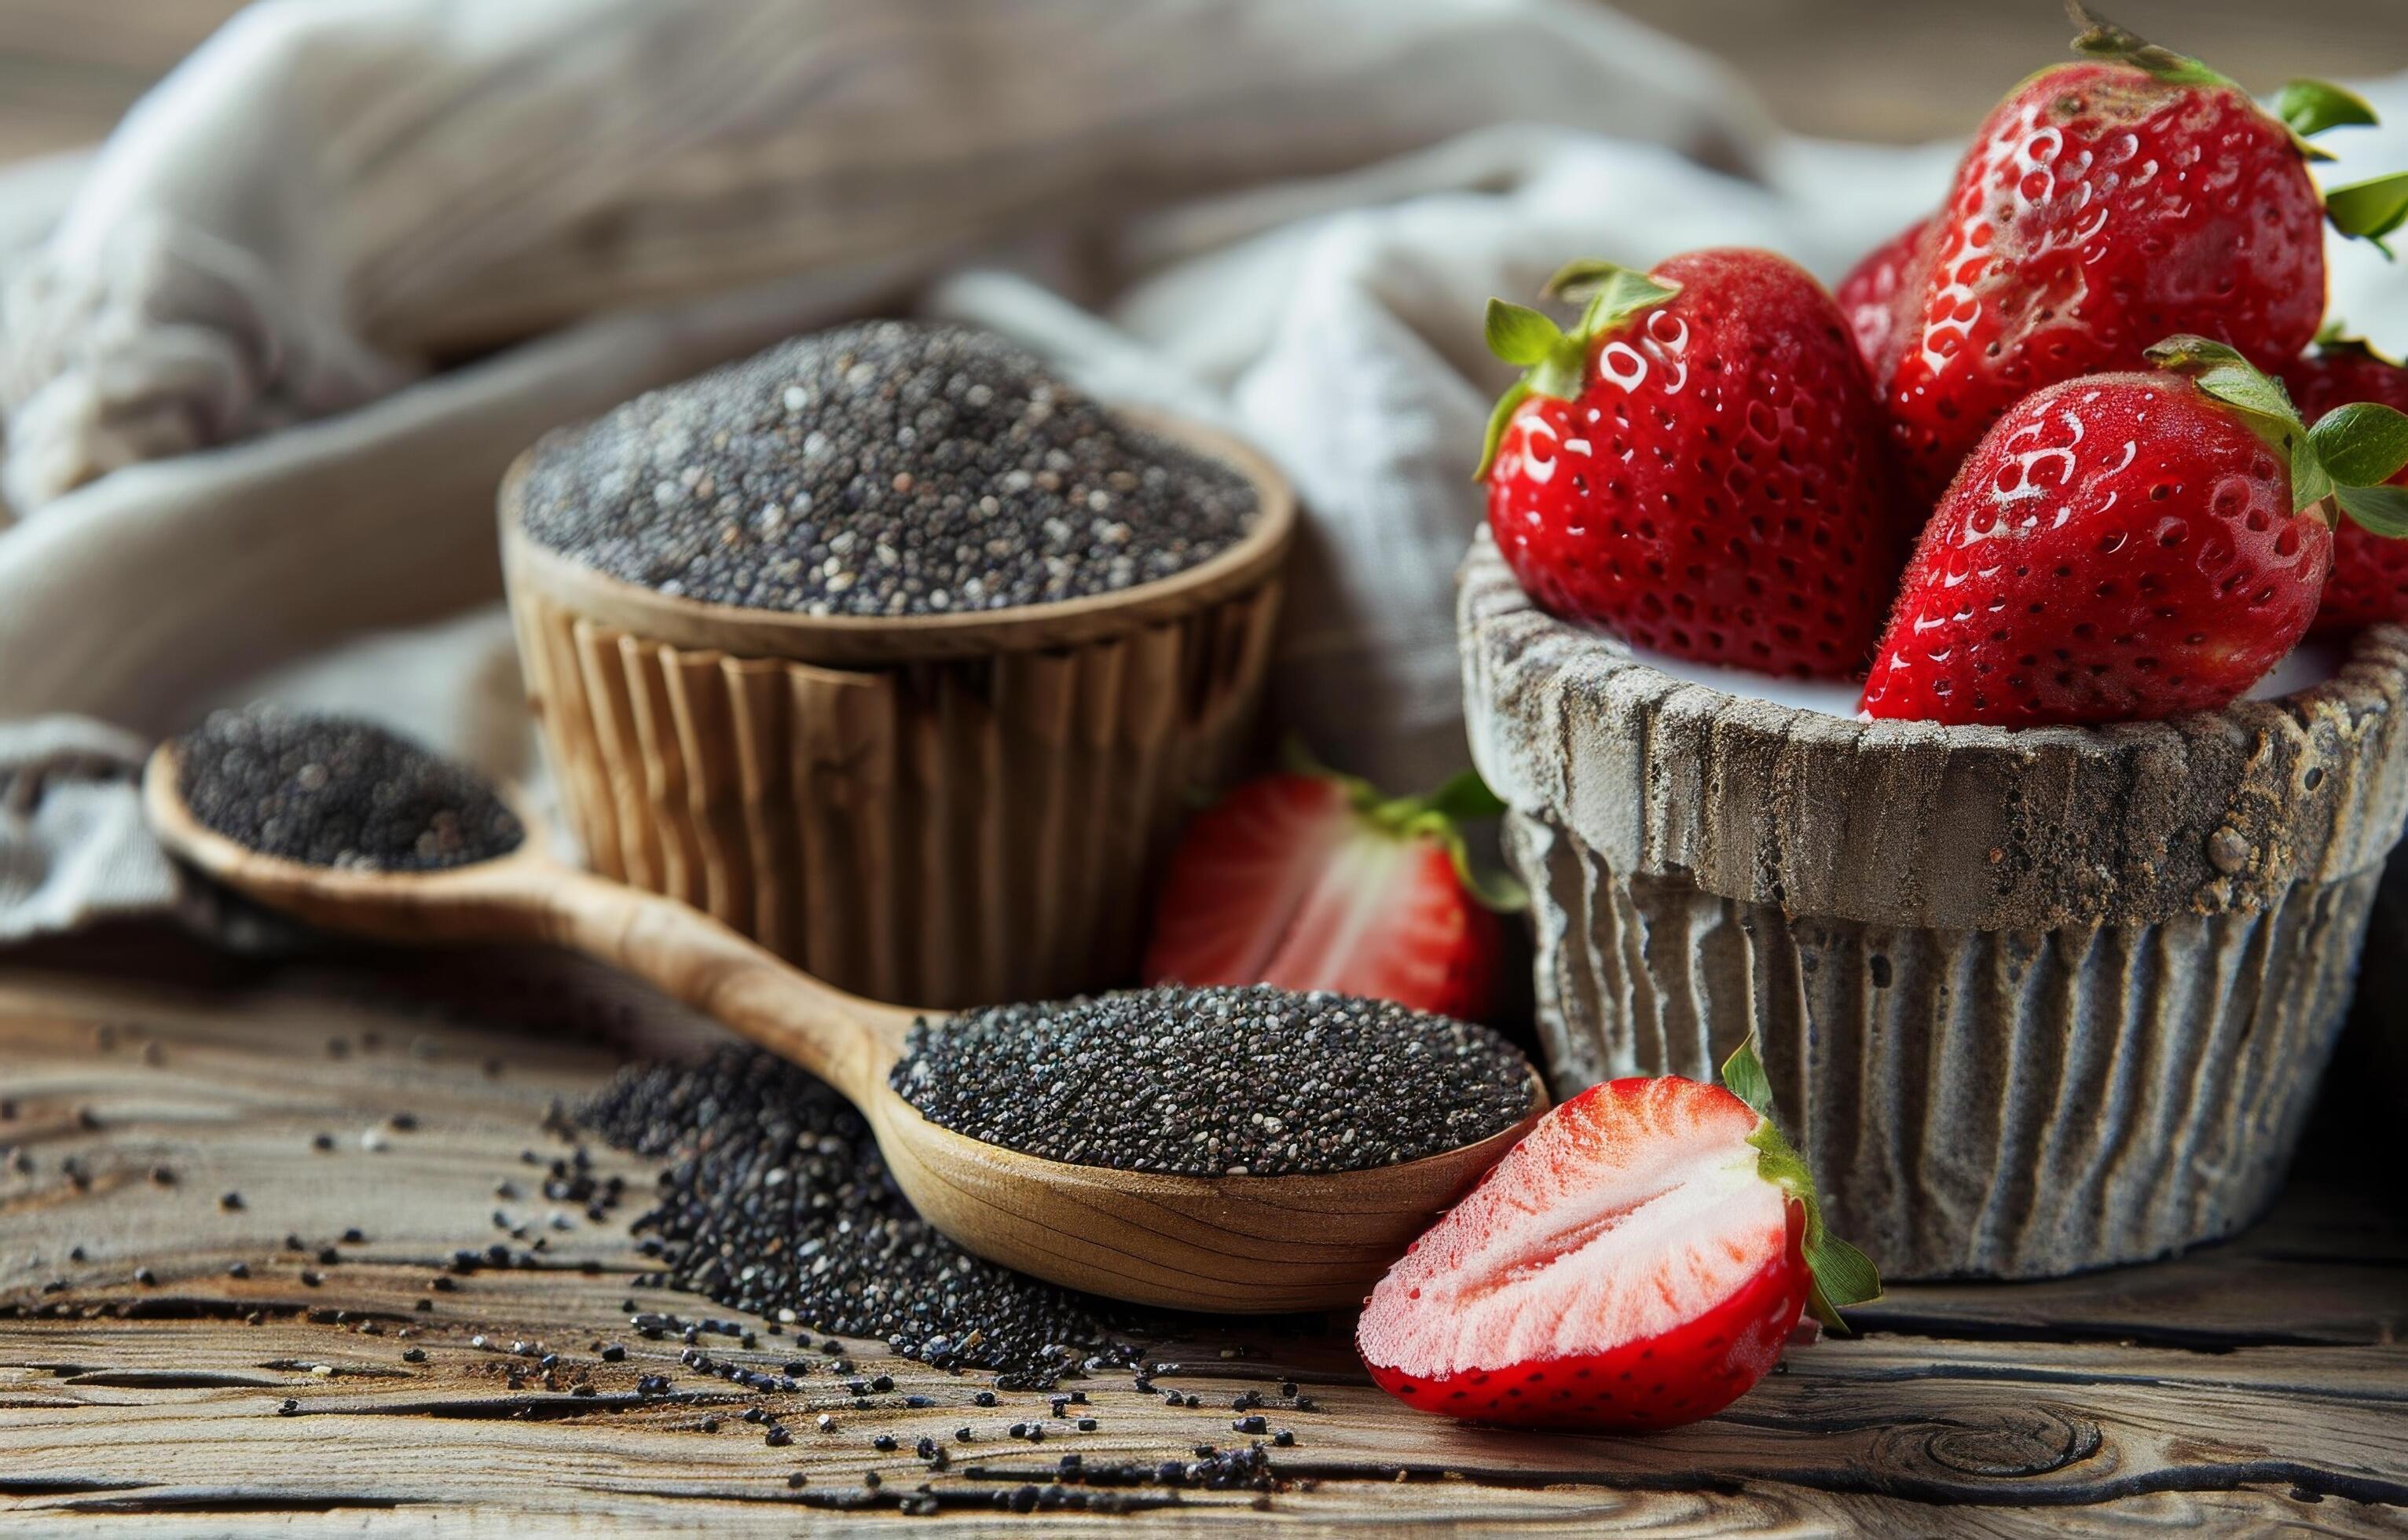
{"x": 2259, "y": 1384}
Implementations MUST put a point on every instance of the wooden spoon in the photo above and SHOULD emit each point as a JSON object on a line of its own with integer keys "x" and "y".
{"x": 1250, "y": 1244}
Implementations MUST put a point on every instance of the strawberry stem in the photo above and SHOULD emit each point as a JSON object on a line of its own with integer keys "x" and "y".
{"x": 2103, "y": 40}
{"x": 1840, "y": 1274}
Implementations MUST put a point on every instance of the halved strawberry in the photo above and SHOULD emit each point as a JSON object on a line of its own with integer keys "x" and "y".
{"x": 1313, "y": 880}
{"x": 1636, "y": 1261}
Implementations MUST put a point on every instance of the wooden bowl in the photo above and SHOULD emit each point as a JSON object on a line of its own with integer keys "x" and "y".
{"x": 2031, "y": 1002}
{"x": 947, "y": 809}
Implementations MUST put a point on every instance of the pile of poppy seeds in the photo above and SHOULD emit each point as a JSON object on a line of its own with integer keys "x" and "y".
{"x": 884, "y": 468}
{"x": 775, "y": 1200}
{"x": 1249, "y": 1081}
{"x": 336, "y": 792}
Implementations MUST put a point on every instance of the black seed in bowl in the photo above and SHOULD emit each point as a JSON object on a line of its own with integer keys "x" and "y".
{"x": 334, "y": 791}
{"x": 887, "y": 468}
{"x": 1215, "y": 1082}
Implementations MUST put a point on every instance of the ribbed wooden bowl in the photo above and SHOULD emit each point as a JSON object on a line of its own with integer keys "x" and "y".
{"x": 2031, "y": 1002}
{"x": 936, "y": 810}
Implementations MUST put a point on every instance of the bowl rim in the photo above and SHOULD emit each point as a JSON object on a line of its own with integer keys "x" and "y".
{"x": 2368, "y": 655}
{"x": 1248, "y": 564}
{"x": 1919, "y": 825}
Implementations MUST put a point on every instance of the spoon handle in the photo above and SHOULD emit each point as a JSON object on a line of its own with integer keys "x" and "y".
{"x": 846, "y": 1041}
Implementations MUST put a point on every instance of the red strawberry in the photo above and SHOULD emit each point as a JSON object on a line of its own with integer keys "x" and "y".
{"x": 2370, "y": 573}
{"x": 2129, "y": 546}
{"x": 1698, "y": 465}
{"x": 1313, "y": 880}
{"x": 2106, "y": 205}
{"x": 1637, "y": 1261}
{"x": 1869, "y": 296}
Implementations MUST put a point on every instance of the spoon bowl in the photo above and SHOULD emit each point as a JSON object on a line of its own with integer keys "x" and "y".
{"x": 1243, "y": 1244}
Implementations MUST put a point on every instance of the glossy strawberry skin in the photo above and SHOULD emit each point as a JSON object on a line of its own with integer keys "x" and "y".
{"x": 1718, "y": 489}
{"x": 2098, "y": 211}
{"x": 2117, "y": 547}
{"x": 1869, "y": 297}
{"x": 2370, "y": 573}
{"x": 1283, "y": 882}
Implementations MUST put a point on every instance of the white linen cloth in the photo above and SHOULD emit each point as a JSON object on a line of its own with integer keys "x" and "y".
{"x": 265, "y": 355}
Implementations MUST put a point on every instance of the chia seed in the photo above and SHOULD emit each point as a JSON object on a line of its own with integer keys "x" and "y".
{"x": 336, "y": 792}
{"x": 833, "y": 1239}
{"x": 1227, "y": 1080}
{"x": 888, "y": 467}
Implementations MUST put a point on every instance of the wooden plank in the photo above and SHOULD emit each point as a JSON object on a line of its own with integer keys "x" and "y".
{"x": 2260, "y": 1384}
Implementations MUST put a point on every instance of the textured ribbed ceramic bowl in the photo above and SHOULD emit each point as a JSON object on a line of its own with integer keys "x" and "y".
{"x": 2031, "y": 1002}
{"x": 941, "y": 810}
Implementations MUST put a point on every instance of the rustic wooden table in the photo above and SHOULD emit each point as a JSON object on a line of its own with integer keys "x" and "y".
{"x": 2261, "y": 1384}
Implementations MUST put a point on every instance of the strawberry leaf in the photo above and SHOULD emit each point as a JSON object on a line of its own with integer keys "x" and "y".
{"x": 1744, "y": 1076}
{"x": 1464, "y": 798}
{"x": 1840, "y": 1274}
{"x": 1520, "y": 335}
{"x": 2361, "y": 444}
{"x": 2383, "y": 509}
{"x": 1500, "y": 417}
{"x": 2311, "y": 106}
{"x": 1553, "y": 360}
{"x": 2310, "y": 482}
{"x": 2371, "y": 209}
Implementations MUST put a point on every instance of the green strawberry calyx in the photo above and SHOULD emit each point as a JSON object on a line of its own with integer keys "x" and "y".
{"x": 2339, "y": 466}
{"x": 1840, "y": 1274}
{"x": 1439, "y": 815}
{"x": 1554, "y": 360}
{"x": 2371, "y": 209}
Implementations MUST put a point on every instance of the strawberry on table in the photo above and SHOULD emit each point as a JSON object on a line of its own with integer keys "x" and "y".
{"x": 2106, "y": 205}
{"x": 1869, "y": 296}
{"x": 2129, "y": 546}
{"x": 2370, "y": 573}
{"x": 1696, "y": 465}
{"x": 1637, "y": 1261}
{"x": 1308, "y": 880}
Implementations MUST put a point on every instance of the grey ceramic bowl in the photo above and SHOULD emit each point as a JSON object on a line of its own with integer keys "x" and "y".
{"x": 2032, "y": 1002}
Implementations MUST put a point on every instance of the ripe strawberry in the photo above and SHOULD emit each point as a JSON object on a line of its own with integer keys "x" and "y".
{"x": 1698, "y": 465}
{"x": 1313, "y": 880}
{"x": 2127, "y": 546}
{"x": 2370, "y": 573}
{"x": 1637, "y": 1261}
{"x": 1869, "y": 296}
{"x": 2106, "y": 205}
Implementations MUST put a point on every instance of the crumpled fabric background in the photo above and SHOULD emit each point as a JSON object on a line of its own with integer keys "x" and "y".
{"x": 266, "y": 353}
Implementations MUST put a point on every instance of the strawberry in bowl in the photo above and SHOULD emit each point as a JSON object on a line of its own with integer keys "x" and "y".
{"x": 1637, "y": 1261}
{"x": 2102, "y": 206}
{"x": 2125, "y": 547}
{"x": 1696, "y": 465}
